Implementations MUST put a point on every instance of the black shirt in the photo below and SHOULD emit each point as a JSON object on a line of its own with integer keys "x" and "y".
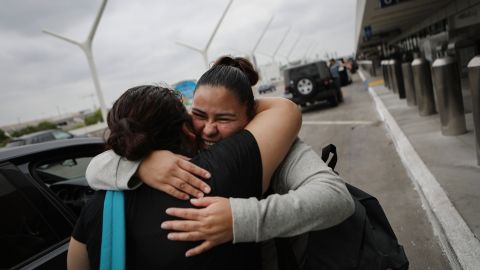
{"x": 236, "y": 168}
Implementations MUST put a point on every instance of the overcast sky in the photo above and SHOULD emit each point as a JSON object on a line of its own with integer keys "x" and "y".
{"x": 135, "y": 44}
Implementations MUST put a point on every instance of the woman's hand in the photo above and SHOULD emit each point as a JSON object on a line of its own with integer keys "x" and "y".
{"x": 173, "y": 174}
{"x": 213, "y": 224}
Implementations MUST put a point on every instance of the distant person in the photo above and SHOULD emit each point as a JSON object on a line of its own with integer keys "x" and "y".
{"x": 334, "y": 70}
{"x": 148, "y": 118}
{"x": 310, "y": 195}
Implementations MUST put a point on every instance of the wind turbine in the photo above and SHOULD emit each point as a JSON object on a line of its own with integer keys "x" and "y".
{"x": 293, "y": 47}
{"x": 281, "y": 42}
{"x": 252, "y": 53}
{"x": 86, "y": 47}
{"x": 204, "y": 51}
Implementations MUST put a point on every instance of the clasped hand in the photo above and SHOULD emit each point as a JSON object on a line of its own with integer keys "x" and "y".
{"x": 212, "y": 224}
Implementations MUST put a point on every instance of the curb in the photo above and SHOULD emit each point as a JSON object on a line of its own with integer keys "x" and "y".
{"x": 456, "y": 239}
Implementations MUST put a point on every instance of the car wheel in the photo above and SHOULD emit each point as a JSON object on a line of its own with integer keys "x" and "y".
{"x": 305, "y": 86}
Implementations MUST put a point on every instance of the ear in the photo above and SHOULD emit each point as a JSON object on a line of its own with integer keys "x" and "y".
{"x": 187, "y": 129}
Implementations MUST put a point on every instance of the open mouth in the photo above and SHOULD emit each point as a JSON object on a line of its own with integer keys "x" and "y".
{"x": 208, "y": 143}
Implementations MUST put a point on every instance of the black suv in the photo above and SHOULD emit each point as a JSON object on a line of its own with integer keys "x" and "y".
{"x": 308, "y": 83}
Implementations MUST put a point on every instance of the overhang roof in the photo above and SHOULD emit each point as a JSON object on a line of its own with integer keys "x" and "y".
{"x": 394, "y": 19}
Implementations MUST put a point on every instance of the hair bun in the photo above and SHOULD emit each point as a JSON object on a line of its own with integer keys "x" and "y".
{"x": 127, "y": 139}
{"x": 241, "y": 63}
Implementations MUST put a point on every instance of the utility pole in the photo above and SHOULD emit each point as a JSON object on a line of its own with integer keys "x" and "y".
{"x": 204, "y": 51}
{"x": 86, "y": 47}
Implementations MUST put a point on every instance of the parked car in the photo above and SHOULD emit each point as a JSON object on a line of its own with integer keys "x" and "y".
{"x": 266, "y": 87}
{"x": 42, "y": 191}
{"x": 309, "y": 83}
{"x": 40, "y": 136}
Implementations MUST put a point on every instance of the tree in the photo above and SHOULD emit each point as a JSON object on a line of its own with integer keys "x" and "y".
{"x": 93, "y": 118}
{"x": 31, "y": 129}
{"x": 3, "y": 138}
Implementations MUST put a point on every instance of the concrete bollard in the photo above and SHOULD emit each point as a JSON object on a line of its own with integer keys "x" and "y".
{"x": 422, "y": 81}
{"x": 385, "y": 73}
{"x": 397, "y": 73}
{"x": 408, "y": 83}
{"x": 391, "y": 73}
{"x": 474, "y": 79}
{"x": 448, "y": 90}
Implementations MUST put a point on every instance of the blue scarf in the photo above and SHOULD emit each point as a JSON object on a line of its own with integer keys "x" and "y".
{"x": 112, "y": 254}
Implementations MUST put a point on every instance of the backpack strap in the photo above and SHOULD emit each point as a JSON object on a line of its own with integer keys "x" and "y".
{"x": 326, "y": 151}
{"x": 285, "y": 257}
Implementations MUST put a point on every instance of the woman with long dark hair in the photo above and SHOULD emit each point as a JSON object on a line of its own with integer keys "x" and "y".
{"x": 148, "y": 118}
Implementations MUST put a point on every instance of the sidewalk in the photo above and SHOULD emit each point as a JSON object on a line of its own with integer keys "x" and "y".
{"x": 445, "y": 174}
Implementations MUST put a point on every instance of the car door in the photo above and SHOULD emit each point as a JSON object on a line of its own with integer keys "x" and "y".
{"x": 34, "y": 233}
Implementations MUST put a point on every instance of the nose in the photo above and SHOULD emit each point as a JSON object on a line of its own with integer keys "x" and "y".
{"x": 210, "y": 129}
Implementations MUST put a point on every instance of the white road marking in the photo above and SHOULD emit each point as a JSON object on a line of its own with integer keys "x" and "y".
{"x": 319, "y": 123}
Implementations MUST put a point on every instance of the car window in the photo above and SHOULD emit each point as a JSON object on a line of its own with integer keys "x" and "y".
{"x": 15, "y": 143}
{"x": 42, "y": 138}
{"x": 307, "y": 70}
{"x": 64, "y": 169}
{"x": 324, "y": 70}
{"x": 24, "y": 231}
{"x": 66, "y": 178}
{"x": 59, "y": 135}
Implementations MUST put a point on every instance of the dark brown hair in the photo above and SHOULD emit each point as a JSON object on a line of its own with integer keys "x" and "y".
{"x": 146, "y": 118}
{"x": 236, "y": 75}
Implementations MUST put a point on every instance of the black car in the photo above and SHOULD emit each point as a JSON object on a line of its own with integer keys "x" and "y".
{"x": 266, "y": 87}
{"x": 308, "y": 83}
{"x": 42, "y": 190}
{"x": 40, "y": 136}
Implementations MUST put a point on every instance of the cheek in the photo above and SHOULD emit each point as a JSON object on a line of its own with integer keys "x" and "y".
{"x": 229, "y": 129}
{"x": 198, "y": 125}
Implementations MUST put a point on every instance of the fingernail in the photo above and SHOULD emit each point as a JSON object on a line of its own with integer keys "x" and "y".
{"x": 168, "y": 211}
{"x": 170, "y": 236}
{"x": 206, "y": 190}
{"x": 193, "y": 200}
{"x": 186, "y": 197}
{"x": 200, "y": 195}
{"x": 207, "y": 175}
{"x": 164, "y": 226}
{"x": 187, "y": 254}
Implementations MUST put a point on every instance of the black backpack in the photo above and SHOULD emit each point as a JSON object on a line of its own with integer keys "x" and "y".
{"x": 364, "y": 241}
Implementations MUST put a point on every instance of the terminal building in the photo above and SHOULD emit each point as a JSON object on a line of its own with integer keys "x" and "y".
{"x": 427, "y": 52}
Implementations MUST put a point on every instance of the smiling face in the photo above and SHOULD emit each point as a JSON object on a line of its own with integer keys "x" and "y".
{"x": 217, "y": 113}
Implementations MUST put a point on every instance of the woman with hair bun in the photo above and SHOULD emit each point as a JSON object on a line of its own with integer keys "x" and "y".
{"x": 148, "y": 118}
{"x": 310, "y": 196}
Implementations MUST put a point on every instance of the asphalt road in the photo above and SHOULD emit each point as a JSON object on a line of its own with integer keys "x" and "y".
{"x": 368, "y": 160}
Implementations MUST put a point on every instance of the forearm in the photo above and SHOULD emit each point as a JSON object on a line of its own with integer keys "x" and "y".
{"x": 314, "y": 198}
{"x": 315, "y": 206}
{"x": 109, "y": 171}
